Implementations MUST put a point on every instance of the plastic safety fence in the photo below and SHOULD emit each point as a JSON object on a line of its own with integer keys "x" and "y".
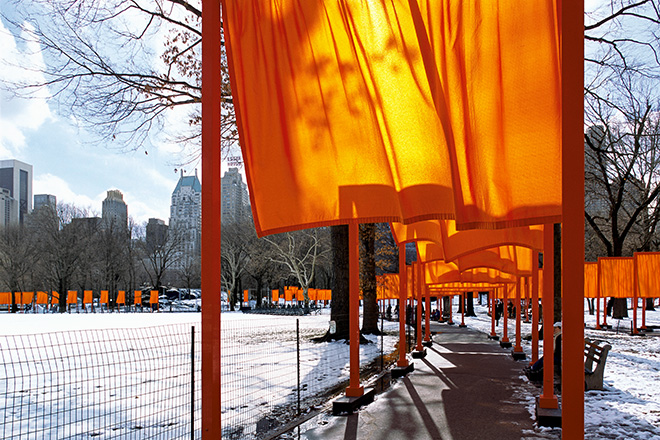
{"x": 111, "y": 383}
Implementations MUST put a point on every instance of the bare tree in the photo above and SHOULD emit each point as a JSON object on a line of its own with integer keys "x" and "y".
{"x": 299, "y": 252}
{"x": 235, "y": 256}
{"x": 18, "y": 257}
{"x": 161, "y": 255}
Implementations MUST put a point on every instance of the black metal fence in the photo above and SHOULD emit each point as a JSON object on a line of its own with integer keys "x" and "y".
{"x": 140, "y": 383}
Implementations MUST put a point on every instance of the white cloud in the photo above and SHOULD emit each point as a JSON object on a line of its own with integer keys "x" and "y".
{"x": 50, "y": 184}
{"x": 17, "y": 115}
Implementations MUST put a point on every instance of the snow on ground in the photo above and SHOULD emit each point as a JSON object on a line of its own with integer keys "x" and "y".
{"x": 629, "y": 407}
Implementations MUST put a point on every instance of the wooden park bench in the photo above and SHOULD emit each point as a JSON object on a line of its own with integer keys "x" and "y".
{"x": 595, "y": 357}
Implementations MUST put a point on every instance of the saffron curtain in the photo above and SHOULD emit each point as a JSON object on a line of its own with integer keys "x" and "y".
{"x": 397, "y": 111}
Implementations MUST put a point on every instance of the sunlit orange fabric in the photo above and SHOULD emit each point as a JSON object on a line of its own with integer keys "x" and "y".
{"x": 72, "y": 297}
{"x": 648, "y": 274}
{"x": 87, "y": 297}
{"x": 137, "y": 298}
{"x": 515, "y": 260}
{"x": 616, "y": 277}
{"x": 313, "y": 295}
{"x": 457, "y": 243}
{"x": 42, "y": 298}
{"x": 387, "y": 286}
{"x": 26, "y": 298}
{"x": 591, "y": 280}
{"x": 288, "y": 294}
{"x": 382, "y": 111}
{"x": 275, "y": 295}
{"x": 427, "y": 230}
{"x": 121, "y": 297}
{"x": 430, "y": 251}
{"x": 440, "y": 272}
{"x": 5, "y": 297}
{"x": 104, "y": 297}
{"x": 245, "y": 296}
{"x": 55, "y": 298}
{"x": 153, "y": 297}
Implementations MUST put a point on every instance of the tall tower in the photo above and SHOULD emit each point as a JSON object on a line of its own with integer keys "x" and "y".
{"x": 115, "y": 212}
{"x": 235, "y": 200}
{"x": 16, "y": 176}
{"x": 45, "y": 200}
{"x": 186, "y": 213}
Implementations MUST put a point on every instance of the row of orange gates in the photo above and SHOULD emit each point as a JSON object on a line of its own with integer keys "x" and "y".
{"x": 24, "y": 299}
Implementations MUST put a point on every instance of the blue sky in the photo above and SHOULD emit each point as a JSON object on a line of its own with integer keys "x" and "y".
{"x": 66, "y": 163}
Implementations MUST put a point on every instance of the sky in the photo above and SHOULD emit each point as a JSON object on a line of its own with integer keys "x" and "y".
{"x": 66, "y": 163}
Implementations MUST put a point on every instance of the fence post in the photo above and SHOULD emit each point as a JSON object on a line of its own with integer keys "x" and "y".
{"x": 192, "y": 383}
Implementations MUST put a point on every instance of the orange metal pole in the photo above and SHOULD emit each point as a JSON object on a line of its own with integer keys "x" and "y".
{"x": 643, "y": 327}
{"x": 598, "y": 304}
{"x": 492, "y": 313}
{"x": 403, "y": 361}
{"x": 535, "y": 306}
{"x": 211, "y": 202}
{"x": 505, "y": 329}
{"x": 354, "y": 389}
{"x": 525, "y": 298}
{"x": 604, "y": 298}
{"x": 635, "y": 301}
{"x": 427, "y": 317}
{"x": 418, "y": 290}
{"x": 518, "y": 348}
{"x": 548, "y": 398}
{"x": 572, "y": 258}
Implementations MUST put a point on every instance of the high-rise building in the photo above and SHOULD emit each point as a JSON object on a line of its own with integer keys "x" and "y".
{"x": 186, "y": 214}
{"x": 235, "y": 200}
{"x": 8, "y": 207}
{"x": 156, "y": 233}
{"x": 44, "y": 200}
{"x": 16, "y": 176}
{"x": 114, "y": 211}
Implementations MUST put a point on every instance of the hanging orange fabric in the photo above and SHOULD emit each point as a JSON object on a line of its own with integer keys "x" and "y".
{"x": 87, "y": 297}
{"x": 137, "y": 298}
{"x": 366, "y": 110}
{"x": 42, "y": 297}
{"x": 153, "y": 297}
{"x": 245, "y": 296}
{"x": 648, "y": 274}
{"x": 104, "y": 297}
{"x": 591, "y": 279}
{"x": 121, "y": 297}
{"x": 515, "y": 260}
{"x": 55, "y": 298}
{"x": 5, "y": 297}
{"x": 288, "y": 294}
{"x": 275, "y": 295}
{"x": 72, "y": 297}
{"x": 616, "y": 277}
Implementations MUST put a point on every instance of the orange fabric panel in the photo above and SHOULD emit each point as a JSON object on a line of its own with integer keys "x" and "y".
{"x": 104, "y": 297}
{"x": 616, "y": 277}
{"x": 137, "y": 297}
{"x": 313, "y": 294}
{"x": 439, "y": 272}
{"x": 5, "y": 297}
{"x": 288, "y": 294}
{"x": 458, "y": 243}
{"x": 591, "y": 280}
{"x": 427, "y": 230}
{"x": 121, "y": 297}
{"x": 387, "y": 286}
{"x": 327, "y": 294}
{"x": 483, "y": 53}
{"x": 515, "y": 260}
{"x": 648, "y": 274}
{"x": 26, "y": 297}
{"x": 299, "y": 295}
{"x": 246, "y": 296}
{"x": 428, "y": 251}
{"x": 72, "y": 297}
{"x": 42, "y": 297}
{"x": 153, "y": 297}
{"x": 351, "y": 101}
{"x": 55, "y": 298}
{"x": 87, "y": 297}
{"x": 275, "y": 295}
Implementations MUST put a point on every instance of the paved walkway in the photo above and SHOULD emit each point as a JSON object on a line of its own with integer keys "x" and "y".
{"x": 467, "y": 387}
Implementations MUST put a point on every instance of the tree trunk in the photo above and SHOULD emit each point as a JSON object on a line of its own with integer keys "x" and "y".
{"x": 649, "y": 304}
{"x": 368, "y": 279}
{"x": 470, "y": 304}
{"x": 557, "y": 261}
{"x": 340, "y": 288}
{"x": 620, "y": 308}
